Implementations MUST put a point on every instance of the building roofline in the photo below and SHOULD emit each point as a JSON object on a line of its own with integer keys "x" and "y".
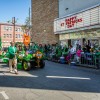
{"x": 77, "y": 12}
{"x": 1, "y": 23}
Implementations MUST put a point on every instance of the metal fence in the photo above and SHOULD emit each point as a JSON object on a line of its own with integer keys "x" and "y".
{"x": 89, "y": 60}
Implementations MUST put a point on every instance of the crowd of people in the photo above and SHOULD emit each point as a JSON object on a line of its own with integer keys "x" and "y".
{"x": 54, "y": 52}
{"x": 69, "y": 53}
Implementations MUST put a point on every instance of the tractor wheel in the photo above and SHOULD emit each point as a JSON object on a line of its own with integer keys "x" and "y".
{"x": 26, "y": 65}
{"x": 33, "y": 64}
{"x": 42, "y": 64}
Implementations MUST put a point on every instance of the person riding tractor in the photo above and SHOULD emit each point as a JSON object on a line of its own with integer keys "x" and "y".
{"x": 34, "y": 59}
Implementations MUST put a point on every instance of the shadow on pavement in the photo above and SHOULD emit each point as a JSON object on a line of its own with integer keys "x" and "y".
{"x": 50, "y": 78}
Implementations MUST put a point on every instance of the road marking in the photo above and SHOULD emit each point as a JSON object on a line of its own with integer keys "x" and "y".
{"x": 1, "y": 74}
{"x": 4, "y": 95}
{"x": 82, "y": 78}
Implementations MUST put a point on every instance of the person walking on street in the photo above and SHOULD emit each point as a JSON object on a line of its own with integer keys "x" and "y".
{"x": 12, "y": 50}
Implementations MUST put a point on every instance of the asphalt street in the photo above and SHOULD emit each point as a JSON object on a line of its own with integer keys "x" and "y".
{"x": 54, "y": 82}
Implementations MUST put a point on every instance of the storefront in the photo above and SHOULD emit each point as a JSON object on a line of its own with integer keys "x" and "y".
{"x": 91, "y": 37}
{"x": 81, "y": 27}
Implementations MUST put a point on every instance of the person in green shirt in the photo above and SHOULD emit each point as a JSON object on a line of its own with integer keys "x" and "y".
{"x": 65, "y": 51}
{"x": 34, "y": 47}
{"x": 12, "y": 50}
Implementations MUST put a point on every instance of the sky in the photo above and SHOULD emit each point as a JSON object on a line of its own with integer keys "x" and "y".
{"x": 14, "y": 8}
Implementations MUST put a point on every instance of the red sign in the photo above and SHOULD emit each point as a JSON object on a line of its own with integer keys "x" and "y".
{"x": 70, "y": 22}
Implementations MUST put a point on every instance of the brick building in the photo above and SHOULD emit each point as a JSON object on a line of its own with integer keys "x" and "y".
{"x": 43, "y": 14}
{"x": 7, "y": 31}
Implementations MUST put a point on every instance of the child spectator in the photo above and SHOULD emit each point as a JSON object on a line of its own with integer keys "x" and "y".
{"x": 78, "y": 54}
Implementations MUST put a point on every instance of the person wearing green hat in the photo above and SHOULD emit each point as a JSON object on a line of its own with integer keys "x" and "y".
{"x": 65, "y": 51}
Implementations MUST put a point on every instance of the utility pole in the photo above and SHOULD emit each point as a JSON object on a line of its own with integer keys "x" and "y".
{"x": 29, "y": 20}
{"x": 29, "y": 16}
{"x": 13, "y": 22}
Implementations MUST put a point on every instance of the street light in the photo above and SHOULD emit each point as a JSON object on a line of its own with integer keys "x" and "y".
{"x": 45, "y": 40}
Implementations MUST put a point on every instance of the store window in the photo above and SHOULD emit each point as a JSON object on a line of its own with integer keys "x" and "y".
{"x": 10, "y": 35}
{"x": 7, "y": 28}
{"x": 94, "y": 42}
{"x": 16, "y": 36}
{"x": 10, "y": 28}
{"x": 7, "y": 35}
{"x": 18, "y": 29}
{"x": 21, "y": 30}
{"x": 4, "y": 35}
{"x": 19, "y": 35}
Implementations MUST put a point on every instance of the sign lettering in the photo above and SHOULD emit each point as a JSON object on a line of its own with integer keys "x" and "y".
{"x": 70, "y": 22}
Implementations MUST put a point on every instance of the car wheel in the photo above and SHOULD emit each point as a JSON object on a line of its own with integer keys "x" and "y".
{"x": 26, "y": 65}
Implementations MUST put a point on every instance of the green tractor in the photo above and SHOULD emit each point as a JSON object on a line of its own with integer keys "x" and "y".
{"x": 3, "y": 57}
{"x": 27, "y": 61}
{"x": 3, "y": 54}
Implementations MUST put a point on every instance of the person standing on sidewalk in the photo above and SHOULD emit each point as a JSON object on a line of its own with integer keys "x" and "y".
{"x": 12, "y": 50}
